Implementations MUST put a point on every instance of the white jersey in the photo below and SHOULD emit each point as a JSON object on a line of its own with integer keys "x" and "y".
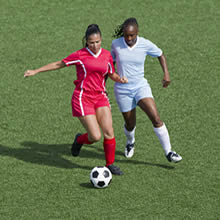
{"x": 130, "y": 60}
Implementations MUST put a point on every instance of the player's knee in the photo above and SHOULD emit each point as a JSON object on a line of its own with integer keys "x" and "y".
{"x": 157, "y": 122}
{"x": 95, "y": 137}
{"x": 108, "y": 134}
{"x": 130, "y": 126}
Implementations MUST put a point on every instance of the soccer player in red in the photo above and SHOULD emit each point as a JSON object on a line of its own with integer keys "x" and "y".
{"x": 90, "y": 103}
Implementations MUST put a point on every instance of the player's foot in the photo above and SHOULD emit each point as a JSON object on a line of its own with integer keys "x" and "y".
{"x": 173, "y": 157}
{"x": 129, "y": 150}
{"x": 76, "y": 146}
{"x": 115, "y": 170}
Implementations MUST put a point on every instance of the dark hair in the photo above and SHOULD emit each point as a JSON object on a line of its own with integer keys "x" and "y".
{"x": 91, "y": 29}
{"x": 119, "y": 29}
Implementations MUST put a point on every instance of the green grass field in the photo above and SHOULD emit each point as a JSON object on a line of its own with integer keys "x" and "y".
{"x": 39, "y": 179}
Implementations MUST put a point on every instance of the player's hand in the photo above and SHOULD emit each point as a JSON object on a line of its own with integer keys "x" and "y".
{"x": 166, "y": 82}
{"x": 30, "y": 73}
{"x": 123, "y": 80}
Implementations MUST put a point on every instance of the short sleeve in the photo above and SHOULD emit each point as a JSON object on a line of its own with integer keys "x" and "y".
{"x": 113, "y": 53}
{"x": 153, "y": 50}
{"x": 72, "y": 59}
{"x": 111, "y": 68}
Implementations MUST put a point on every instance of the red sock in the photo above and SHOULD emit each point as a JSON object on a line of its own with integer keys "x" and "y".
{"x": 83, "y": 139}
{"x": 109, "y": 148}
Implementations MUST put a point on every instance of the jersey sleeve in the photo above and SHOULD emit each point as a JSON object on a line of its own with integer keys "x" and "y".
{"x": 111, "y": 68}
{"x": 153, "y": 50}
{"x": 113, "y": 53}
{"x": 72, "y": 59}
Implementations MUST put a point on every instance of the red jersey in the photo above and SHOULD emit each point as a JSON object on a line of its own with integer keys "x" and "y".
{"x": 91, "y": 69}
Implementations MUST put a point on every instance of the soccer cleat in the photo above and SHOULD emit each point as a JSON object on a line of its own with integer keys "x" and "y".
{"x": 129, "y": 150}
{"x": 115, "y": 170}
{"x": 76, "y": 146}
{"x": 173, "y": 157}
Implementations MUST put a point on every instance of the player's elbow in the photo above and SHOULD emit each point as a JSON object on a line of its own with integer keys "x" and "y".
{"x": 59, "y": 64}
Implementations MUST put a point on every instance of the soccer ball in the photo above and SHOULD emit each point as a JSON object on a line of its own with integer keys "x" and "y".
{"x": 100, "y": 177}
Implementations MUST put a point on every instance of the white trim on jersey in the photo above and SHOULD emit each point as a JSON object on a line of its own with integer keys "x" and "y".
{"x": 105, "y": 95}
{"x": 95, "y": 55}
{"x": 103, "y": 82}
{"x": 110, "y": 67}
{"x": 81, "y": 86}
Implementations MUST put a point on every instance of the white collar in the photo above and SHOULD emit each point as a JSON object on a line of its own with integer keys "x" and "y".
{"x": 95, "y": 55}
{"x": 131, "y": 48}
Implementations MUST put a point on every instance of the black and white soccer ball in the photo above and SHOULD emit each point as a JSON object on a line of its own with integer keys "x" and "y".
{"x": 100, "y": 177}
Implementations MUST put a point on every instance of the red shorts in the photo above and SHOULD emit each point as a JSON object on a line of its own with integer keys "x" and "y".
{"x": 86, "y": 104}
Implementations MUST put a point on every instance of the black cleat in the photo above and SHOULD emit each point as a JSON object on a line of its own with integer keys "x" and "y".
{"x": 115, "y": 170}
{"x": 76, "y": 147}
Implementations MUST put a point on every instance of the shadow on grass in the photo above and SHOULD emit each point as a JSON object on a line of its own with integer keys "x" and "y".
{"x": 42, "y": 154}
{"x": 87, "y": 185}
{"x": 132, "y": 161}
{"x": 53, "y": 155}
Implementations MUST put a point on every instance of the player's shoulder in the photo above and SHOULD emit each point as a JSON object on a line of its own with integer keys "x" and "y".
{"x": 78, "y": 52}
{"x": 117, "y": 41}
{"x": 106, "y": 52}
{"x": 82, "y": 51}
{"x": 145, "y": 41}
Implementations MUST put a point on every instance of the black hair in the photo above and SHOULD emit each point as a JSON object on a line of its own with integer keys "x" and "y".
{"x": 91, "y": 29}
{"x": 120, "y": 28}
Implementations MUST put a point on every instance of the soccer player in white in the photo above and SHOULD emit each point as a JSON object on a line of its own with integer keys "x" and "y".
{"x": 129, "y": 52}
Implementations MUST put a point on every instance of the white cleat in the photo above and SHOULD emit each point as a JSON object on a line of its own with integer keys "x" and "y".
{"x": 129, "y": 150}
{"x": 173, "y": 157}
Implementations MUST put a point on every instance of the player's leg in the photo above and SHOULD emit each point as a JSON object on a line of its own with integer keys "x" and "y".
{"x": 93, "y": 134}
{"x": 129, "y": 130}
{"x": 149, "y": 107}
{"x": 104, "y": 118}
{"x": 83, "y": 109}
{"x": 127, "y": 105}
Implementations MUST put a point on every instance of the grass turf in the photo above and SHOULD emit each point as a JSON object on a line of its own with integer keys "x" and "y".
{"x": 39, "y": 178}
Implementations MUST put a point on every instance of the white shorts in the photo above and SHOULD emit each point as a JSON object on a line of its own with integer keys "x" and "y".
{"x": 128, "y": 99}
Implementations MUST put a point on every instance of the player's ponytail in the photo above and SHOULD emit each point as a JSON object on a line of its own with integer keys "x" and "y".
{"x": 118, "y": 31}
{"x": 120, "y": 28}
{"x": 91, "y": 29}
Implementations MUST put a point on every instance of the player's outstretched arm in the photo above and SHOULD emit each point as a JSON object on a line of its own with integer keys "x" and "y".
{"x": 48, "y": 67}
{"x": 166, "y": 79}
{"x": 115, "y": 77}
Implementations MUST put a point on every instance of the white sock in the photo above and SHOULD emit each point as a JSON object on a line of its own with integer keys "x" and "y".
{"x": 130, "y": 135}
{"x": 163, "y": 135}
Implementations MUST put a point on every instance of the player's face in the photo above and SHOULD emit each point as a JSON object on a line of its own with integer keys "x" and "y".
{"x": 130, "y": 35}
{"x": 94, "y": 43}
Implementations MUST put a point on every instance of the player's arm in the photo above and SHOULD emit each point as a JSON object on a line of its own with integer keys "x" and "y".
{"x": 48, "y": 67}
{"x": 166, "y": 79}
{"x": 115, "y": 77}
